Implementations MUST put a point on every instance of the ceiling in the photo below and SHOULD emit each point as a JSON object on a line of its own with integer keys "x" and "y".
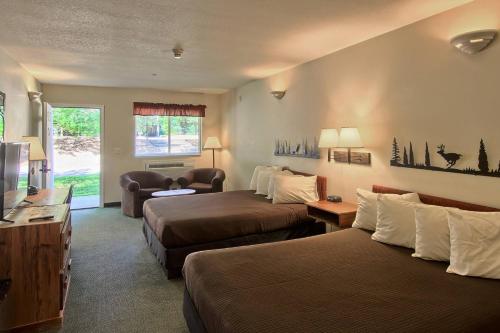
{"x": 118, "y": 43}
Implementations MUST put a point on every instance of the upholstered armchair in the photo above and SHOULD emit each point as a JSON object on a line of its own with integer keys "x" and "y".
{"x": 137, "y": 187}
{"x": 204, "y": 180}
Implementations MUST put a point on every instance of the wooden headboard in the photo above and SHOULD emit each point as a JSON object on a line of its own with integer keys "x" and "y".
{"x": 437, "y": 201}
{"x": 320, "y": 182}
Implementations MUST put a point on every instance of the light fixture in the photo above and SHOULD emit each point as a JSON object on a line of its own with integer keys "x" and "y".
{"x": 474, "y": 42}
{"x": 328, "y": 138}
{"x": 278, "y": 94}
{"x": 349, "y": 138}
{"x": 177, "y": 52}
{"x": 212, "y": 143}
{"x": 36, "y": 154}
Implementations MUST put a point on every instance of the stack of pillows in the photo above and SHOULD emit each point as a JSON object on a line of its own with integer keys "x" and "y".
{"x": 469, "y": 241}
{"x": 282, "y": 186}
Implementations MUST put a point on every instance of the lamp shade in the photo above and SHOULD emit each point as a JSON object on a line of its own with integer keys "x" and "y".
{"x": 36, "y": 150}
{"x": 349, "y": 138}
{"x": 329, "y": 138}
{"x": 212, "y": 143}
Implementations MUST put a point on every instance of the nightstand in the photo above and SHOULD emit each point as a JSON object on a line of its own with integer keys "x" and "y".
{"x": 336, "y": 215}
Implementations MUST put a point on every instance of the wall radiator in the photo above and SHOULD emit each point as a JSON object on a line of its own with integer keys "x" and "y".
{"x": 172, "y": 169}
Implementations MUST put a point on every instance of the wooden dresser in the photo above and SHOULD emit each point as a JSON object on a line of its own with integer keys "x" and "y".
{"x": 35, "y": 256}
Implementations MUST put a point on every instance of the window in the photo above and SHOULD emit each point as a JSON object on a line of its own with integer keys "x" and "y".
{"x": 167, "y": 135}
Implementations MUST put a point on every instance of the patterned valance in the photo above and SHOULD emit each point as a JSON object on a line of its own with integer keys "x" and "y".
{"x": 160, "y": 109}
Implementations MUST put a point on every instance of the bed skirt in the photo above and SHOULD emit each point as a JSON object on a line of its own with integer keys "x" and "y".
{"x": 172, "y": 259}
{"x": 191, "y": 315}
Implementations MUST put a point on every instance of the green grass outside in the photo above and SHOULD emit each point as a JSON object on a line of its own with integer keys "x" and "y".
{"x": 83, "y": 184}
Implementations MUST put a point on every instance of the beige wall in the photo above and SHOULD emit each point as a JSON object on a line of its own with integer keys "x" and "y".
{"x": 118, "y": 152}
{"x": 16, "y": 82}
{"x": 409, "y": 83}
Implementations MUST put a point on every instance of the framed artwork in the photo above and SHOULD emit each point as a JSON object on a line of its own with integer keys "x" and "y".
{"x": 304, "y": 149}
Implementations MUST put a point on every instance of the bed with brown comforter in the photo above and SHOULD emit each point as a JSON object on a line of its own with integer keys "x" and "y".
{"x": 177, "y": 226}
{"x": 338, "y": 282}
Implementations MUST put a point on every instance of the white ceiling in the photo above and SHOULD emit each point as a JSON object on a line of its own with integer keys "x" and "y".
{"x": 121, "y": 43}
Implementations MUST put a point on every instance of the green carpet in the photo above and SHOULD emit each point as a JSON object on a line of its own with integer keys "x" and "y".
{"x": 116, "y": 283}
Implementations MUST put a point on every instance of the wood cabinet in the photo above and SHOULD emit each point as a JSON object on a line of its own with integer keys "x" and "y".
{"x": 36, "y": 256}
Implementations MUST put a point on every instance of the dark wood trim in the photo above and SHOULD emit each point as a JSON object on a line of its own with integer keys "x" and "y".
{"x": 112, "y": 204}
{"x": 437, "y": 201}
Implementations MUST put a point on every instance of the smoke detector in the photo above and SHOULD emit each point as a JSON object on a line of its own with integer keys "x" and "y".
{"x": 177, "y": 52}
{"x": 474, "y": 42}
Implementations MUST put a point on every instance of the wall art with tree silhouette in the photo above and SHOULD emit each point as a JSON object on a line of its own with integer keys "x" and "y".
{"x": 303, "y": 149}
{"x": 452, "y": 160}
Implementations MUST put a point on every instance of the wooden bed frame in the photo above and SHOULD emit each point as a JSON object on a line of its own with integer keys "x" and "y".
{"x": 437, "y": 201}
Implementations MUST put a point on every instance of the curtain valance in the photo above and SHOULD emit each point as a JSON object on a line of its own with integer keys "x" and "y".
{"x": 160, "y": 109}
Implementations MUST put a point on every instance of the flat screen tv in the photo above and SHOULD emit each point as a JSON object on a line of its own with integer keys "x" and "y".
{"x": 14, "y": 175}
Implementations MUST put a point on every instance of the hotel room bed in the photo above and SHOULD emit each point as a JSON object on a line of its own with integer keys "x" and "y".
{"x": 338, "y": 282}
{"x": 175, "y": 227}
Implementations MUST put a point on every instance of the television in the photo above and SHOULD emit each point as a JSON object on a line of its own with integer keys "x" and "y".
{"x": 14, "y": 175}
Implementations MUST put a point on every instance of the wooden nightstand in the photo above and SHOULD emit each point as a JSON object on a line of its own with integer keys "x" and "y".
{"x": 336, "y": 215}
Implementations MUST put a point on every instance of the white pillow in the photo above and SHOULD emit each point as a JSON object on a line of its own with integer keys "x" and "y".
{"x": 395, "y": 222}
{"x": 432, "y": 241}
{"x": 289, "y": 189}
{"x": 366, "y": 216}
{"x": 255, "y": 175}
{"x": 263, "y": 181}
{"x": 272, "y": 181}
{"x": 475, "y": 244}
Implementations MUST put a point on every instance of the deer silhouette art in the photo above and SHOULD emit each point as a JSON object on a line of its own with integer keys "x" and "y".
{"x": 451, "y": 158}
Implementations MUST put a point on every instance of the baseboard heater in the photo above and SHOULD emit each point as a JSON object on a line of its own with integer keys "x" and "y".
{"x": 172, "y": 169}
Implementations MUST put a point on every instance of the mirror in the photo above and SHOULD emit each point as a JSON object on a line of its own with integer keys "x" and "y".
{"x": 2, "y": 115}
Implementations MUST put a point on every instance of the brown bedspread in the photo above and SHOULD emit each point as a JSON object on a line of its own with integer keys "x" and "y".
{"x": 338, "y": 282}
{"x": 195, "y": 219}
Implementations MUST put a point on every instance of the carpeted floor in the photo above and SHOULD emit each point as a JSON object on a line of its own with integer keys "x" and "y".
{"x": 116, "y": 283}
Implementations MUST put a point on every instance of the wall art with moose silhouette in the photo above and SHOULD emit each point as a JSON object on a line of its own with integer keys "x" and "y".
{"x": 298, "y": 149}
{"x": 452, "y": 159}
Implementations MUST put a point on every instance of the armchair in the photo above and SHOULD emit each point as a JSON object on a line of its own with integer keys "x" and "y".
{"x": 204, "y": 180}
{"x": 137, "y": 187}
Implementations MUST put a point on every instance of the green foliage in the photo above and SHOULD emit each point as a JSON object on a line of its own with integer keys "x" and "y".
{"x": 158, "y": 125}
{"x": 76, "y": 122}
{"x": 84, "y": 184}
{"x": 2, "y": 122}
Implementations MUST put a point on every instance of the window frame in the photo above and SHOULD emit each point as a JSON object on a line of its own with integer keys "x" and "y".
{"x": 169, "y": 154}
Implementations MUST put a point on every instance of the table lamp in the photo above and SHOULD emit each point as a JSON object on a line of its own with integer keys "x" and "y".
{"x": 212, "y": 143}
{"x": 36, "y": 154}
{"x": 328, "y": 138}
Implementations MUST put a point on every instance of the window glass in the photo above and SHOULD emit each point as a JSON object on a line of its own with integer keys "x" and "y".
{"x": 164, "y": 135}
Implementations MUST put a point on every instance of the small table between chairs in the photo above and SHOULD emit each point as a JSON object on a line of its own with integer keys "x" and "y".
{"x": 173, "y": 193}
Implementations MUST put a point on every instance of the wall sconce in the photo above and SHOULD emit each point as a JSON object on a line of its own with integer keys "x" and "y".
{"x": 328, "y": 138}
{"x": 349, "y": 138}
{"x": 474, "y": 42}
{"x": 278, "y": 94}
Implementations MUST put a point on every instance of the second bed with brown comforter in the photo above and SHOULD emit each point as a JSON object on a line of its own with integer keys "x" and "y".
{"x": 175, "y": 227}
{"x": 338, "y": 282}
